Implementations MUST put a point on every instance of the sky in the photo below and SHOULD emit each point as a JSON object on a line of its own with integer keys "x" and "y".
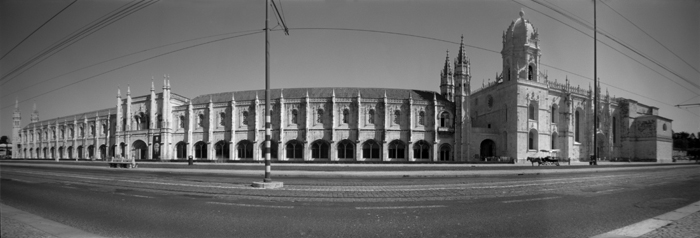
{"x": 50, "y": 58}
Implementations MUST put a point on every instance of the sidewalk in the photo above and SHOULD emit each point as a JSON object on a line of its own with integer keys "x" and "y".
{"x": 17, "y": 224}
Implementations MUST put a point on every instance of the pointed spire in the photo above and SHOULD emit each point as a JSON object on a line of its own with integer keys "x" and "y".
{"x": 128, "y": 90}
{"x": 461, "y": 55}
{"x": 282, "y": 93}
{"x": 152, "y": 84}
{"x": 34, "y": 108}
{"x": 333, "y": 93}
{"x": 119, "y": 92}
{"x": 447, "y": 71}
{"x": 384, "y": 94}
{"x": 358, "y": 93}
{"x": 168, "y": 82}
{"x": 256, "y": 96}
{"x": 233, "y": 97}
{"x": 16, "y": 105}
{"x": 307, "y": 94}
{"x": 522, "y": 13}
{"x": 165, "y": 81}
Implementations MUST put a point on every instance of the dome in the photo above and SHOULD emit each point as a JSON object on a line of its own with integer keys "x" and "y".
{"x": 520, "y": 31}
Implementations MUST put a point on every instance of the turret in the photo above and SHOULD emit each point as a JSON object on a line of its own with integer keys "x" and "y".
{"x": 462, "y": 74}
{"x": 446, "y": 81}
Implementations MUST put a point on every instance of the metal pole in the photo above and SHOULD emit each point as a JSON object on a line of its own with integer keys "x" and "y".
{"x": 267, "y": 96}
{"x": 595, "y": 86}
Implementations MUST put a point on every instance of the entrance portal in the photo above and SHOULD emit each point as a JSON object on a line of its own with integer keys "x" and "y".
{"x": 488, "y": 148}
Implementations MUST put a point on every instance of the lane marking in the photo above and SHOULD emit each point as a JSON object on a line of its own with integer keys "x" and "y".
{"x": 530, "y": 199}
{"x": 250, "y": 205}
{"x": 402, "y": 207}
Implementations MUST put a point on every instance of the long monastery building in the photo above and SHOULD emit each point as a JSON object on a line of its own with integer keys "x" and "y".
{"x": 521, "y": 114}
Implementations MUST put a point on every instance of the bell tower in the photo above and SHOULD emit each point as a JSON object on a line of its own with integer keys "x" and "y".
{"x": 16, "y": 127}
{"x": 462, "y": 78}
{"x": 521, "y": 51}
{"x": 447, "y": 84}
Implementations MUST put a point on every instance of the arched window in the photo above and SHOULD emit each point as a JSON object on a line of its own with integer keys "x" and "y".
{"x": 345, "y": 150}
{"x": 554, "y": 140}
{"x": 397, "y": 150}
{"x": 182, "y": 121}
{"x": 531, "y": 111}
{"x": 200, "y": 120}
{"x": 92, "y": 129}
{"x": 245, "y": 149}
{"x": 370, "y": 116}
{"x": 295, "y": 114}
{"x": 397, "y": 117}
{"x": 444, "y": 119}
{"x": 532, "y": 140}
{"x": 346, "y": 116}
{"x": 319, "y": 115}
{"x": 421, "y": 118}
{"x": 160, "y": 121}
{"x": 421, "y": 150}
{"x": 273, "y": 149}
{"x": 181, "y": 150}
{"x": 529, "y": 72}
{"x": 244, "y": 118}
{"x": 319, "y": 150}
{"x": 445, "y": 152}
{"x": 222, "y": 119}
{"x": 295, "y": 150}
{"x": 104, "y": 128}
{"x": 577, "y": 126}
{"x": 370, "y": 150}
{"x": 200, "y": 150}
{"x": 555, "y": 113}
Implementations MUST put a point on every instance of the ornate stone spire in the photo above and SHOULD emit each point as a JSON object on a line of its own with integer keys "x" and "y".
{"x": 461, "y": 55}
{"x": 119, "y": 92}
{"x": 152, "y": 84}
{"x": 128, "y": 90}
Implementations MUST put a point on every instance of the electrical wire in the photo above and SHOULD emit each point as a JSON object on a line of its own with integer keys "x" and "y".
{"x": 86, "y": 31}
{"x": 126, "y": 55}
{"x": 37, "y": 29}
{"x": 136, "y": 62}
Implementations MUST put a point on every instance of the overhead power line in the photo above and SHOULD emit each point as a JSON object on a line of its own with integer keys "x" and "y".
{"x": 37, "y": 29}
{"x": 76, "y": 36}
{"x": 617, "y": 41}
{"x": 657, "y": 41}
{"x": 136, "y": 62}
{"x": 123, "y": 56}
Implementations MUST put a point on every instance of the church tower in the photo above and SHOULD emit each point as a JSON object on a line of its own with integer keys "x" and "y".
{"x": 462, "y": 78}
{"x": 447, "y": 84}
{"x": 521, "y": 51}
{"x": 16, "y": 127}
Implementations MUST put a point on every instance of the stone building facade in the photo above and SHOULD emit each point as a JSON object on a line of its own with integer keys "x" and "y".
{"x": 520, "y": 114}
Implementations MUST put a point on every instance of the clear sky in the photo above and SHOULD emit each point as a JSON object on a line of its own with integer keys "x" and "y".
{"x": 144, "y": 41}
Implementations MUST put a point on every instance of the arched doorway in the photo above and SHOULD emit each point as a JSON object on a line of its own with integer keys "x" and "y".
{"x": 70, "y": 152}
{"x": 200, "y": 150}
{"x": 488, "y": 148}
{"x": 122, "y": 149}
{"x": 81, "y": 153}
{"x": 60, "y": 152}
{"x": 181, "y": 148}
{"x": 221, "y": 149}
{"x": 103, "y": 151}
{"x": 138, "y": 150}
{"x": 91, "y": 152}
{"x": 244, "y": 149}
{"x": 445, "y": 152}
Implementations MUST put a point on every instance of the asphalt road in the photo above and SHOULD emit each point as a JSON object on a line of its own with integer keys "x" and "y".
{"x": 128, "y": 203}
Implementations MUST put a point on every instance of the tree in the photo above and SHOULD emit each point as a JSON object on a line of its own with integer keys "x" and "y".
{"x": 5, "y": 140}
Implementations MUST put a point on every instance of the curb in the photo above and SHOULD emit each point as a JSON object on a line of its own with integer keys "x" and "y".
{"x": 640, "y": 228}
{"x": 45, "y": 225}
{"x": 363, "y": 174}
